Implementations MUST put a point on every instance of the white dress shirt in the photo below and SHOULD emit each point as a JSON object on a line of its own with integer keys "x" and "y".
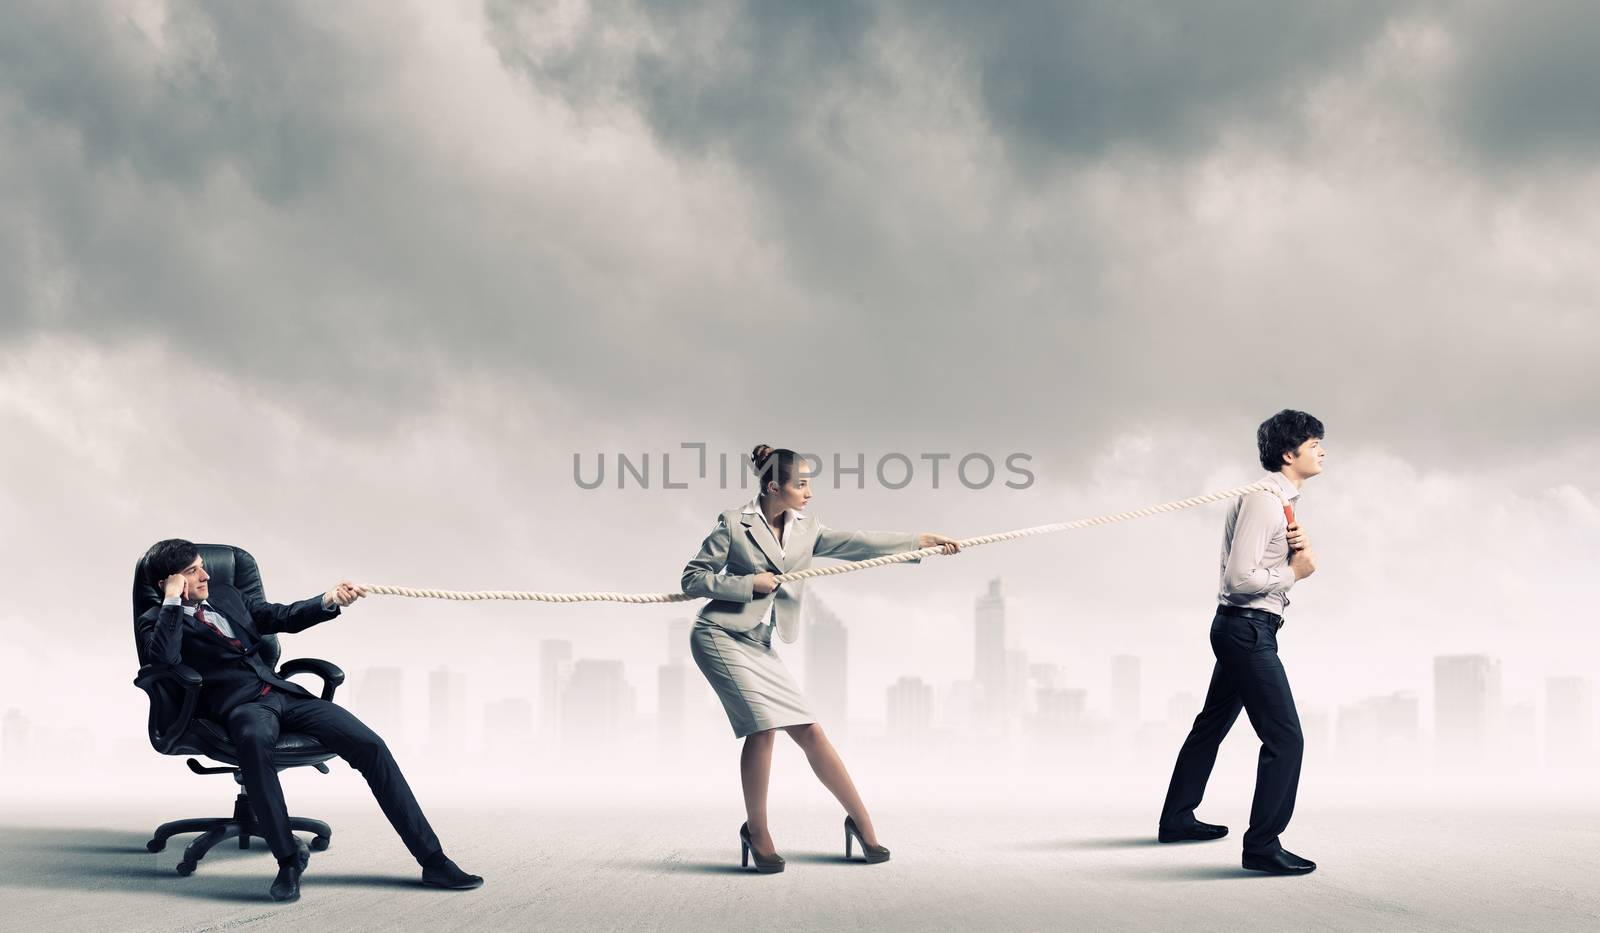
{"x": 1255, "y": 550}
{"x": 782, "y": 534}
{"x": 213, "y": 616}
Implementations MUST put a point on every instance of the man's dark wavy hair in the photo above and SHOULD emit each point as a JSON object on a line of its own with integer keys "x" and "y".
{"x": 1283, "y": 433}
{"x": 166, "y": 558}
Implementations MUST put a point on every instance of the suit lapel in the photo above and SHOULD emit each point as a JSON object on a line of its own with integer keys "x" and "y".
{"x": 756, "y": 526}
{"x": 239, "y": 617}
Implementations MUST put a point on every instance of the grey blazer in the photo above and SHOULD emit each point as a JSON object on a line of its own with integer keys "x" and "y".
{"x": 741, "y": 546}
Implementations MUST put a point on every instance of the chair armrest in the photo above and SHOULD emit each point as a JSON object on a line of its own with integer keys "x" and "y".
{"x": 330, "y": 673}
{"x": 152, "y": 678}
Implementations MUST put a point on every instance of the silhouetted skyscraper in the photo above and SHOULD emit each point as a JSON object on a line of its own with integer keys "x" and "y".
{"x": 1182, "y": 708}
{"x": 995, "y": 641}
{"x": 1466, "y": 703}
{"x": 910, "y": 707}
{"x": 447, "y": 697}
{"x": 672, "y": 702}
{"x": 596, "y": 704}
{"x": 1568, "y": 720}
{"x": 1384, "y": 725}
{"x": 678, "y": 640}
{"x": 380, "y": 703}
{"x": 827, "y": 664}
{"x": 555, "y": 666}
{"x": 1062, "y": 713}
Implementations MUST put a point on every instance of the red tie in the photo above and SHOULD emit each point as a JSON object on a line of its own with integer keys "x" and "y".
{"x": 200, "y": 613}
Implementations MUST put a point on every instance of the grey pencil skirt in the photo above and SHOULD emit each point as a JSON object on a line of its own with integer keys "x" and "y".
{"x": 756, "y": 689}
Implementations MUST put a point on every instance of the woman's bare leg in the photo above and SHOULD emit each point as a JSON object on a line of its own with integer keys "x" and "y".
{"x": 755, "y": 773}
{"x": 829, "y": 768}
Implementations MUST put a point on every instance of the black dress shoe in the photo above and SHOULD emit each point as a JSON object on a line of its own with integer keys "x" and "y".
{"x": 440, "y": 872}
{"x": 286, "y": 887}
{"x": 1196, "y": 831}
{"x": 1281, "y": 862}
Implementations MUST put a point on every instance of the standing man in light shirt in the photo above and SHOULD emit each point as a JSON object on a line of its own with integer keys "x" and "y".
{"x": 1263, "y": 555}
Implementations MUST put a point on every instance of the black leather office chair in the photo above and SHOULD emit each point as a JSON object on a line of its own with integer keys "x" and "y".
{"x": 175, "y": 730}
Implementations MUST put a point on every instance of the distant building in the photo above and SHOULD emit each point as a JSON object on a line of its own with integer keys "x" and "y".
{"x": 1182, "y": 708}
{"x": 447, "y": 697}
{"x": 596, "y": 705}
{"x": 380, "y": 703}
{"x": 910, "y": 708}
{"x": 1061, "y": 713}
{"x": 827, "y": 664}
{"x": 1466, "y": 704}
{"x": 1382, "y": 725}
{"x": 996, "y": 643}
{"x": 1569, "y": 720}
{"x": 672, "y": 703}
{"x": 555, "y": 666}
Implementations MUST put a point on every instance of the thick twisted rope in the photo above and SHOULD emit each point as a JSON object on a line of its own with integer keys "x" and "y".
{"x": 830, "y": 570}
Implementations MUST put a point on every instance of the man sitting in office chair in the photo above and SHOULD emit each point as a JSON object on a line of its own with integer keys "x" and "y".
{"x": 217, "y": 632}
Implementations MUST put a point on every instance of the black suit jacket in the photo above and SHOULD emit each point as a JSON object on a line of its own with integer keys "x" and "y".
{"x": 232, "y": 670}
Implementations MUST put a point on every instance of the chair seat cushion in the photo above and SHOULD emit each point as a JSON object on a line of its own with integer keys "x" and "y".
{"x": 292, "y": 749}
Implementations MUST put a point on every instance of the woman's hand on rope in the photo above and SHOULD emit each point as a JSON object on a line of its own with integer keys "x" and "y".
{"x": 929, "y": 539}
{"x": 765, "y": 583}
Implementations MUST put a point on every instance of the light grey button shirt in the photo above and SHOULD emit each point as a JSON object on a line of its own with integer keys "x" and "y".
{"x": 1255, "y": 550}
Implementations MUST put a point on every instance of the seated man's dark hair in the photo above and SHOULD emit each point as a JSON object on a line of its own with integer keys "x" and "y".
{"x": 166, "y": 558}
{"x": 1283, "y": 433}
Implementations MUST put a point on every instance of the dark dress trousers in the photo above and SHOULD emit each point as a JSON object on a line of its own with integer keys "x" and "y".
{"x": 256, "y": 705}
{"x": 1248, "y": 675}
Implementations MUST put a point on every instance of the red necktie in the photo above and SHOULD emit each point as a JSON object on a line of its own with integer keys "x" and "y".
{"x": 200, "y": 613}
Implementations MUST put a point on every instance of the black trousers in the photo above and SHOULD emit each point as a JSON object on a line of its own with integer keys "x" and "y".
{"x": 254, "y": 728}
{"x": 1247, "y": 675}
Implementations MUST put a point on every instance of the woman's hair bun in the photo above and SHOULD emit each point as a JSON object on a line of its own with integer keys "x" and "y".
{"x": 759, "y": 455}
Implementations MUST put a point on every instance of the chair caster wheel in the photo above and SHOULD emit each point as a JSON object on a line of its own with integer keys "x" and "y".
{"x": 320, "y": 843}
{"x": 186, "y": 868}
{"x": 155, "y": 845}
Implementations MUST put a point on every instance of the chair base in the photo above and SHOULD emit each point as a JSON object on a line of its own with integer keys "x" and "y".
{"x": 242, "y": 826}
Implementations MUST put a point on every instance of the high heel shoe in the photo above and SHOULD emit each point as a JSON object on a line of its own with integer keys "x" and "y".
{"x": 766, "y": 866}
{"x": 870, "y": 853}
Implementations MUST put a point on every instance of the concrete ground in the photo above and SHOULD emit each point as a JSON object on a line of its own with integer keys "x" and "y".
{"x": 676, "y": 868}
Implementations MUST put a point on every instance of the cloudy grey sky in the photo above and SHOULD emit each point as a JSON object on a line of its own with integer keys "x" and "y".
{"x": 350, "y": 285}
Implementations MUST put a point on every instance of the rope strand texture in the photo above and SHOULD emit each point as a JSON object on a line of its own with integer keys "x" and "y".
{"x": 831, "y": 569}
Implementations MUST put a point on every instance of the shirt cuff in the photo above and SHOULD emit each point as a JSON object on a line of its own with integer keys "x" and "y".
{"x": 172, "y": 601}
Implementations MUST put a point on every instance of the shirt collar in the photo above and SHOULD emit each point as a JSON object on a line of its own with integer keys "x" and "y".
{"x": 188, "y": 610}
{"x": 753, "y": 507}
{"x": 1284, "y": 486}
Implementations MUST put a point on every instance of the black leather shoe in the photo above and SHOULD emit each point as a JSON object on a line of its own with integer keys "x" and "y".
{"x": 1194, "y": 832}
{"x": 286, "y": 887}
{"x": 440, "y": 872}
{"x": 1281, "y": 862}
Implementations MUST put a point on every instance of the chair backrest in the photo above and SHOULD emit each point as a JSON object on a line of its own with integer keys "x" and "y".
{"x": 225, "y": 564}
